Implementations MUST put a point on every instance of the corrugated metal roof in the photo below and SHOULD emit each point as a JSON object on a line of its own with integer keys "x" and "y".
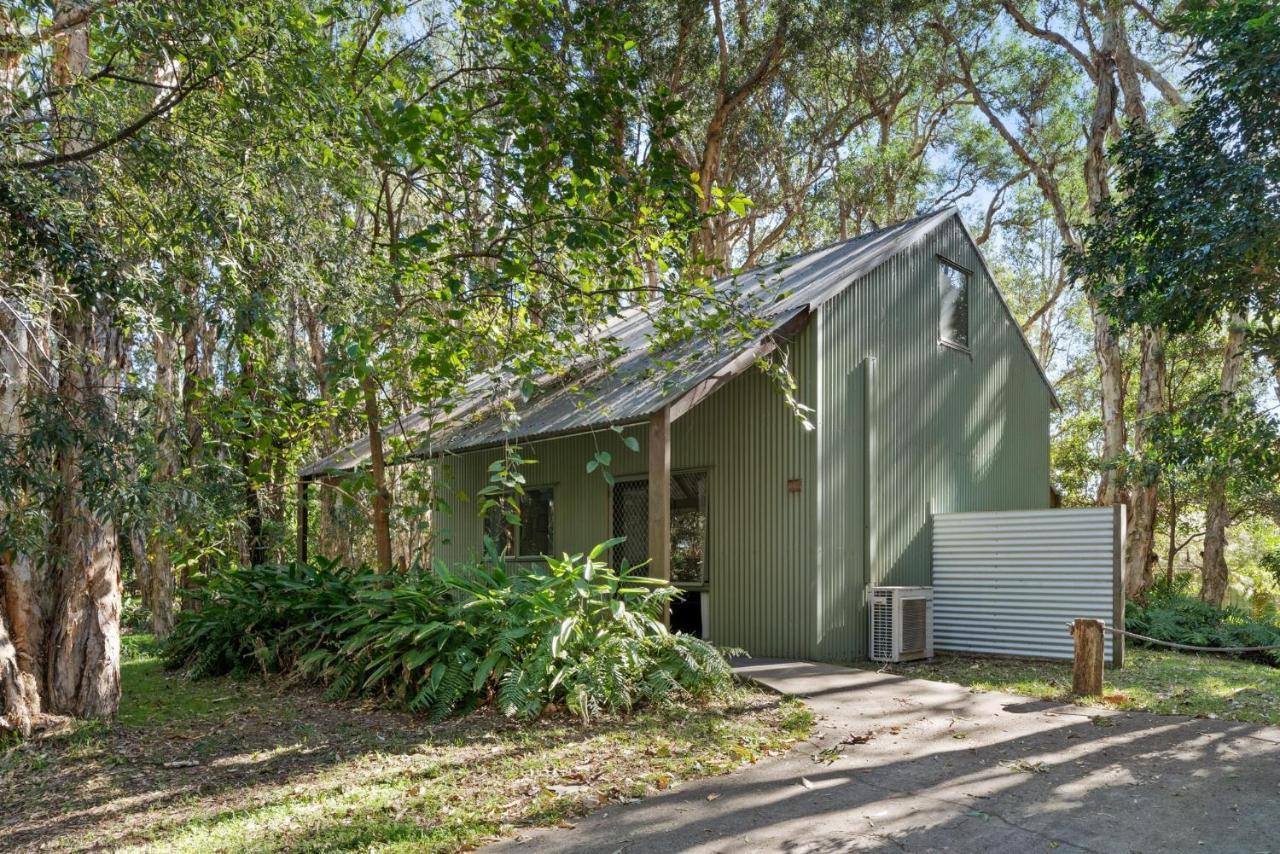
{"x": 638, "y": 382}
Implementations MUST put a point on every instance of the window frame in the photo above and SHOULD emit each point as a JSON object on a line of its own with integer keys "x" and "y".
{"x": 517, "y": 551}
{"x": 966, "y": 347}
{"x": 705, "y": 471}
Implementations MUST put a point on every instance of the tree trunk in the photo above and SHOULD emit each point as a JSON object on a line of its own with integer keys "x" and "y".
{"x": 1144, "y": 498}
{"x": 160, "y": 580}
{"x": 20, "y": 647}
{"x": 83, "y": 652}
{"x": 1215, "y": 576}
{"x": 141, "y": 560}
{"x": 377, "y": 468}
{"x": 1106, "y": 343}
{"x": 1139, "y": 545}
{"x": 19, "y": 701}
{"x": 328, "y": 542}
{"x": 1111, "y": 387}
{"x": 21, "y": 579}
{"x": 194, "y": 372}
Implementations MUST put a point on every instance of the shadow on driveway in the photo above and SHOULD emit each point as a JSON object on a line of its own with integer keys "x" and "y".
{"x": 904, "y": 764}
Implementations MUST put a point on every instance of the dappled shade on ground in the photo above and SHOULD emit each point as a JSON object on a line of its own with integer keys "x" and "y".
{"x": 223, "y": 765}
{"x": 1167, "y": 683}
{"x": 900, "y": 764}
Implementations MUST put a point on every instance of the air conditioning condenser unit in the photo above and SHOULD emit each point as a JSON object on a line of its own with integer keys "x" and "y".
{"x": 901, "y": 623}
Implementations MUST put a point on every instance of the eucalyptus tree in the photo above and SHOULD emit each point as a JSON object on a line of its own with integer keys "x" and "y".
{"x": 1191, "y": 241}
{"x": 1079, "y": 66}
{"x": 767, "y": 93}
{"x": 107, "y": 110}
{"x": 523, "y": 190}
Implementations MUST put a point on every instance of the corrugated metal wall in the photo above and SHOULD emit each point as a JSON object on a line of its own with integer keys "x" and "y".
{"x": 942, "y": 431}
{"x": 761, "y": 536}
{"x": 1009, "y": 582}
{"x": 905, "y": 428}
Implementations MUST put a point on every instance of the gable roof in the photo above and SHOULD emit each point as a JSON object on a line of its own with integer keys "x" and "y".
{"x": 635, "y": 383}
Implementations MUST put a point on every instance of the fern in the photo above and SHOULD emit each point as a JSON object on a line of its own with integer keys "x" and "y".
{"x": 442, "y": 640}
{"x": 1172, "y": 616}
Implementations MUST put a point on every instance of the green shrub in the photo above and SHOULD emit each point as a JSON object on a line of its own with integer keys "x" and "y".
{"x": 260, "y": 618}
{"x": 1179, "y": 618}
{"x": 134, "y": 616}
{"x": 573, "y": 633}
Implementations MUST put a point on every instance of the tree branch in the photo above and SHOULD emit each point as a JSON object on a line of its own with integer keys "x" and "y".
{"x": 1044, "y": 179}
{"x": 997, "y": 201}
{"x": 166, "y": 104}
{"x": 1048, "y": 304}
{"x": 1167, "y": 90}
{"x": 1151, "y": 17}
{"x": 1050, "y": 36}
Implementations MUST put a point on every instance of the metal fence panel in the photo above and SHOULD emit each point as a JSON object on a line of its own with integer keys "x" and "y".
{"x": 1008, "y": 582}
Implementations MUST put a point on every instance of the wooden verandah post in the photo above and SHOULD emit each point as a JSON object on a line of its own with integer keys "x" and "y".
{"x": 303, "y": 483}
{"x": 660, "y": 497}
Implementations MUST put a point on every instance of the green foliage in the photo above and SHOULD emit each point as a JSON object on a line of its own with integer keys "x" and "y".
{"x": 134, "y": 647}
{"x": 1173, "y": 616}
{"x": 134, "y": 615}
{"x": 1271, "y": 563}
{"x": 1194, "y": 233}
{"x": 260, "y": 618}
{"x": 1213, "y": 434}
{"x": 444, "y": 641}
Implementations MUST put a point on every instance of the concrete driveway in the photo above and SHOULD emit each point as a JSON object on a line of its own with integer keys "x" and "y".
{"x": 911, "y": 765}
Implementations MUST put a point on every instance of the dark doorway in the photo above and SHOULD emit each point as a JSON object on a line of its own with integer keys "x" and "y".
{"x": 686, "y": 613}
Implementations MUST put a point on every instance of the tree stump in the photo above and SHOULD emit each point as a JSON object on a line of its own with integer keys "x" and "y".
{"x": 1086, "y": 669}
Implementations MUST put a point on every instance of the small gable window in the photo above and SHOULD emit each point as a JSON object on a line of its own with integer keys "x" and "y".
{"x": 953, "y": 284}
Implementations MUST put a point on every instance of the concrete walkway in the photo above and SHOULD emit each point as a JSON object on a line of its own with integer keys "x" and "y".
{"x": 910, "y": 765}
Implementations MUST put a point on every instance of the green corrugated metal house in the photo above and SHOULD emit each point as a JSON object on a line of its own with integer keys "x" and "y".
{"x": 925, "y": 398}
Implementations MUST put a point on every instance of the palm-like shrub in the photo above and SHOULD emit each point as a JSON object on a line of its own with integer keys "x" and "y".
{"x": 574, "y": 633}
{"x": 593, "y": 638}
{"x": 259, "y": 618}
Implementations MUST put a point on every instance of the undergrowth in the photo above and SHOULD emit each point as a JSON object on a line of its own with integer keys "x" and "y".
{"x": 574, "y": 633}
{"x": 1179, "y": 618}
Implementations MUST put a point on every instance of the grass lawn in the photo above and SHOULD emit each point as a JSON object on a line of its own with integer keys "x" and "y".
{"x": 1168, "y": 683}
{"x": 221, "y": 765}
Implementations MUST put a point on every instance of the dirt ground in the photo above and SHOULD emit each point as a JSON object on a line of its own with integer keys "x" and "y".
{"x": 252, "y": 765}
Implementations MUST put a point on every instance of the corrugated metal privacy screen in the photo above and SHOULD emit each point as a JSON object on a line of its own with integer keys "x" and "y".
{"x": 1008, "y": 582}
